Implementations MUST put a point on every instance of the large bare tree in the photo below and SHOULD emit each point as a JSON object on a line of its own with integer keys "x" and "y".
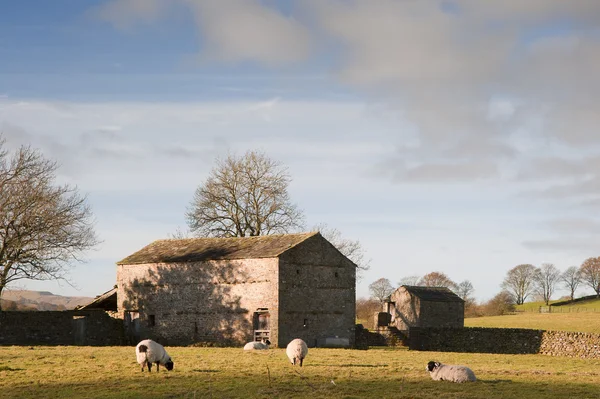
{"x": 546, "y": 278}
{"x": 381, "y": 289}
{"x": 352, "y": 249}
{"x": 409, "y": 280}
{"x": 465, "y": 289}
{"x": 244, "y": 196}
{"x": 519, "y": 281}
{"x": 437, "y": 279}
{"x": 571, "y": 278}
{"x": 590, "y": 273}
{"x": 44, "y": 227}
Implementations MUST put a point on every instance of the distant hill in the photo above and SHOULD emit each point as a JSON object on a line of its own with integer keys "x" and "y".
{"x": 40, "y": 300}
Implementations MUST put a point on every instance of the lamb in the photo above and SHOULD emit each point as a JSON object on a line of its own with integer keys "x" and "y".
{"x": 255, "y": 345}
{"x": 296, "y": 351}
{"x": 148, "y": 352}
{"x": 449, "y": 372}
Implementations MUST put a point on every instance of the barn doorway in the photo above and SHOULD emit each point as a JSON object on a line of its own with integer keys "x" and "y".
{"x": 132, "y": 327}
{"x": 262, "y": 325}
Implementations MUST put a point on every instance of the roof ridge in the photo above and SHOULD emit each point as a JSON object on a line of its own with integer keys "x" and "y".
{"x": 272, "y": 245}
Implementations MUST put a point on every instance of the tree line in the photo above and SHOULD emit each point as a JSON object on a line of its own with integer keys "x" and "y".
{"x": 520, "y": 283}
{"x": 525, "y": 280}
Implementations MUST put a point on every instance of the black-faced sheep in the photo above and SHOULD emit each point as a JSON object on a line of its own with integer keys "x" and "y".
{"x": 449, "y": 372}
{"x": 148, "y": 352}
{"x": 255, "y": 345}
{"x": 296, "y": 351}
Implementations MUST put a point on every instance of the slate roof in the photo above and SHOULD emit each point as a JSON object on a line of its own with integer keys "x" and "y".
{"x": 202, "y": 249}
{"x": 106, "y": 301}
{"x": 433, "y": 294}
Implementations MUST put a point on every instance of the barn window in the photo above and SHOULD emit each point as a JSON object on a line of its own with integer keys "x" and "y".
{"x": 297, "y": 271}
{"x": 336, "y": 274}
{"x": 305, "y": 323}
{"x": 262, "y": 324}
{"x": 151, "y": 320}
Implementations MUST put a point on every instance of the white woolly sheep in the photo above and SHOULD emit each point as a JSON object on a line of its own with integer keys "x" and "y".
{"x": 255, "y": 345}
{"x": 296, "y": 351}
{"x": 449, "y": 372}
{"x": 148, "y": 352}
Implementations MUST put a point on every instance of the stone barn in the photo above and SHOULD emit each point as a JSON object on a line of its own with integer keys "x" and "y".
{"x": 229, "y": 291}
{"x": 416, "y": 306}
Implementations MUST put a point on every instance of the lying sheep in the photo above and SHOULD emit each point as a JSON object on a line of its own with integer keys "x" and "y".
{"x": 148, "y": 352}
{"x": 449, "y": 372}
{"x": 255, "y": 345}
{"x": 296, "y": 351}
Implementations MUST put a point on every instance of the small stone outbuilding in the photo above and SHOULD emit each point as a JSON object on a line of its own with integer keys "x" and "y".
{"x": 417, "y": 306}
{"x": 233, "y": 290}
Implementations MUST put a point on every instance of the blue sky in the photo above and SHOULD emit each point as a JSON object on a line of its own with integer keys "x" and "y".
{"x": 452, "y": 136}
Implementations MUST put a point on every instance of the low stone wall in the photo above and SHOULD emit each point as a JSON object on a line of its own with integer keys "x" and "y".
{"x": 571, "y": 344}
{"x": 505, "y": 341}
{"x": 88, "y": 327}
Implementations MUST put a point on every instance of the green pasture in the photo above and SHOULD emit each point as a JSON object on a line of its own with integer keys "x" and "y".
{"x": 579, "y": 305}
{"x": 111, "y": 372}
{"x": 582, "y": 322}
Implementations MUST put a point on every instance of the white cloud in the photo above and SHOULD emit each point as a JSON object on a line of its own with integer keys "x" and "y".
{"x": 247, "y": 30}
{"x": 124, "y": 14}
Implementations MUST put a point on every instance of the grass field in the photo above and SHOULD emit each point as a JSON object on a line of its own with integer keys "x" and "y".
{"x": 583, "y": 322}
{"x": 111, "y": 372}
{"x": 579, "y": 305}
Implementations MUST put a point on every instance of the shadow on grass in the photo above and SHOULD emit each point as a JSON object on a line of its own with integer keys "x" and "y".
{"x": 8, "y": 368}
{"x": 290, "y": 385}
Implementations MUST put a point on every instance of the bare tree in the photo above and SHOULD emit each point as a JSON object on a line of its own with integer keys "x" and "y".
{"x": 437, "y": 279}
{"x": 546, "y": 278}
{"x": 43, "y": 227}
{"x": 409, "y": 280}
{"x": 245, "y": 196}
{"x": 590, "y": 273}
{"x": 571, "y": 278}
{"x": 352, "y": 249}
{"x": 381, "y": 289}
{"x": 464, "y": 289}
{"x": 519, "y": 281}
{"x": 501, "y": 304}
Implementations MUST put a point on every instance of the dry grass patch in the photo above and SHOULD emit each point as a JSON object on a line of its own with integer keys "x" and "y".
{"x": 582, "y": 322}
{"x": 111, "y": 372}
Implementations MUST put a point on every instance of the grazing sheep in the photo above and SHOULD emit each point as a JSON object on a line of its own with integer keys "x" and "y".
{"x": 148, "y": 352}
{"x": 296, "y": 351}
{"x": 255, "y": 345}
{"x": 449, "y": 372}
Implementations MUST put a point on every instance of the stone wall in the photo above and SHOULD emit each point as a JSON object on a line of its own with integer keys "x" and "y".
{"x": 89, "y": 327}
{"x": 505, "y": 341}
{"x": 317, "y": 294}
{"x": 201, "y": 302}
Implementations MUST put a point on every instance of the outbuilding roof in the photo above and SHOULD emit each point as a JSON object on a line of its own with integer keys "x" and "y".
{"x": 433, "y": 294}
{"x": 202, "y": 249}
{"x": 106, "y": 301}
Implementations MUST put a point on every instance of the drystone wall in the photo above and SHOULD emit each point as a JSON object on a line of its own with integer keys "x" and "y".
{"x": 92, "y": 327}
{"x": 505, "y": 341}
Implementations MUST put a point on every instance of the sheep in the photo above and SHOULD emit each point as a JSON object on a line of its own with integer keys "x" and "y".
{"x": 296, "y": 351}
{"x": 148, "y": 352}
{"x": 255, "y": 345}
{"x": 449, "y": 372}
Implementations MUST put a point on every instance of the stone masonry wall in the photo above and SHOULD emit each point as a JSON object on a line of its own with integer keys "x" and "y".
{"x": 214, "y": 301}
{"x": 410, "y": 311}
{"x": 317, "y": 294}
{"x": 505, "y": 341}
{"x": 91, "y": 327}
